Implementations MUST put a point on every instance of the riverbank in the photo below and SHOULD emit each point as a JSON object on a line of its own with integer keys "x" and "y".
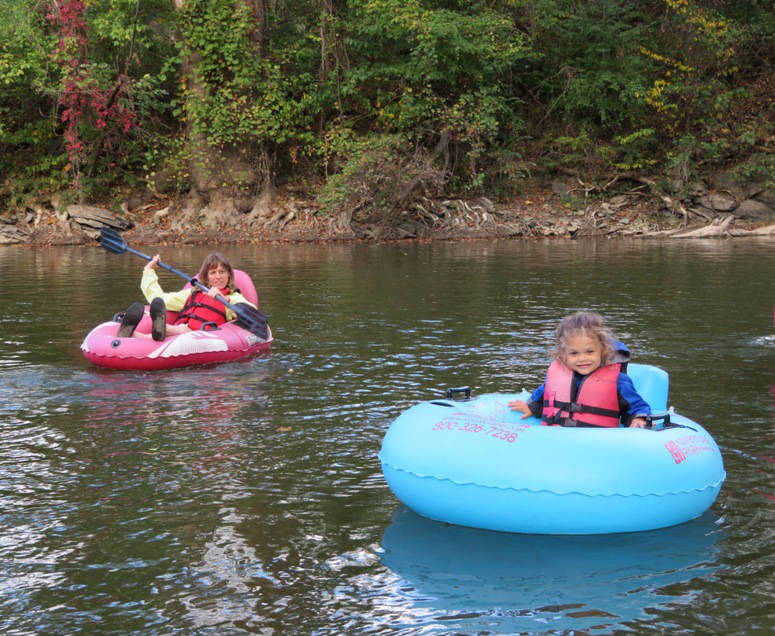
{"x": 542, "y": 214}
{"x": 294, "y": 220}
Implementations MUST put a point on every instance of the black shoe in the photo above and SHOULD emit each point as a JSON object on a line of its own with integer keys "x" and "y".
{"x": 158, "y": 319}
{"x": 131, "y": 319}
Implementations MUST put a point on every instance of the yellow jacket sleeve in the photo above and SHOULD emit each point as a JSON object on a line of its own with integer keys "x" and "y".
{"x": 149, "y": 284}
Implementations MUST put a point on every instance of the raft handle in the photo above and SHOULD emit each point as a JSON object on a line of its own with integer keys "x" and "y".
{"x": 451, "y": 392}
{"x": 662, "y": 415}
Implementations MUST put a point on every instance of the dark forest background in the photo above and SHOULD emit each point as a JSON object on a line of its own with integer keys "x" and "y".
{"x": 364, "y": 103}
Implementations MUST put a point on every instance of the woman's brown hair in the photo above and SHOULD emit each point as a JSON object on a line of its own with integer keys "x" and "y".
{"x": 213, "y": 260}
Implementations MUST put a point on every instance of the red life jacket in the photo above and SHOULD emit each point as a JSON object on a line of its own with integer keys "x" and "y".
{"x": 200, "y": 309}
{"x": 596, "y": 405}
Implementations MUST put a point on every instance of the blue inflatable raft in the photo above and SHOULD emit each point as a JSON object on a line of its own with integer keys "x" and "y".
{"x": 475, "y": 463}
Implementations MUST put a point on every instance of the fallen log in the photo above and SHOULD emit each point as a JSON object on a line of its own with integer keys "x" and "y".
{"x": 717, "y": 228}
{"x": 765, "y": 230}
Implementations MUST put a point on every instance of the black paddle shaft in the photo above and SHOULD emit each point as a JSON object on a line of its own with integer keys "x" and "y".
{"x": 247, "y": 317}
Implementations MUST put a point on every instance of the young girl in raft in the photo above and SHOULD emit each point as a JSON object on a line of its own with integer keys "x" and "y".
{"x": 197, "y": 308}
{"x": 585, "y": 385}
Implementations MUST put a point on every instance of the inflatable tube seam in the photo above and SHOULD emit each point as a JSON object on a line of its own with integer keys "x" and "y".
{"x": 716, "y": 485}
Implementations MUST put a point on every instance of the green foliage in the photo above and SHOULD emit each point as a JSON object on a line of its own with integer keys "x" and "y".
{"x": 341, "y": 89}
{"x": 238, "y": 96}
{"x": 758, "y": 167}
{"x": 507, "y": 168}
{"x": 428, "y": 71}
{"x": 370, "y": 170}
{"x": 572, "y": 149}
{"x": 28, "y": 169}
{"x": 25, "y": 134}
{"x": 590, "y": 70}
{"x": 691, "y": 87}
{"x": 38, "y": 71}
{"x": 635, "y": 151}
{"x": 382, "y": 172}
{"x": 338, "y": 141}
{"x": 427, "y": 47}
{"x": 23, "y": 47}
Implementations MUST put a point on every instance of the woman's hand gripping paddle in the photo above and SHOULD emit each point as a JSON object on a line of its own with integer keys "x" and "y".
{"x": 248, "y": 318}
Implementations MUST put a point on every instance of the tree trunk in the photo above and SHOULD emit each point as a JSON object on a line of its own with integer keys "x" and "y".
{"x": 226, "y": 182}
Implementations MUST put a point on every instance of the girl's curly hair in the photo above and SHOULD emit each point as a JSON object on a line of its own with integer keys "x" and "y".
{"x": 584, "y": 323}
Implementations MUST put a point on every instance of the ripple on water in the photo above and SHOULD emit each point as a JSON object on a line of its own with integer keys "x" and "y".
{"x": 248, "y": 497}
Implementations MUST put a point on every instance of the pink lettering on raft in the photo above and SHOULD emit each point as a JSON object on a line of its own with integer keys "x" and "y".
{"x": 684, "y": 447}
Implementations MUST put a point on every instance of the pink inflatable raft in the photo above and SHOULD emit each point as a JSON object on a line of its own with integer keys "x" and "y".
{"x": 228, "y": 342}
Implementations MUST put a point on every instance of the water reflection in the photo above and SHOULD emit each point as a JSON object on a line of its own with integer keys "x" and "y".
{"x": 34, "y": 490}
{"x": 116, "y": 486}
{"x": 248, "y": 499}
{"x": 456, "y": 578}
{"x": 204, "y": 395}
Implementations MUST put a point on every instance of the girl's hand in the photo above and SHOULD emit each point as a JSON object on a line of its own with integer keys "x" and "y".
{"x": 638, "y": 422}
{"x": 213, "y": 292}
{"x": 153, "y": 263}
{"x": 522, "y": 407}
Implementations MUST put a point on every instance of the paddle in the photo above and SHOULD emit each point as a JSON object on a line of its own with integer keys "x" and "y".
{"x": 248, "y": 318}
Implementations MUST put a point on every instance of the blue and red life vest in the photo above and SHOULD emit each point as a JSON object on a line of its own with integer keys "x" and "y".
{"x": 597, "y": 402}
{"x": 200, "y": 309}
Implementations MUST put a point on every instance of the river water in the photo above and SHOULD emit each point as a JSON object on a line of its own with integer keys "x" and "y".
{"x": 247, "y": 498}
